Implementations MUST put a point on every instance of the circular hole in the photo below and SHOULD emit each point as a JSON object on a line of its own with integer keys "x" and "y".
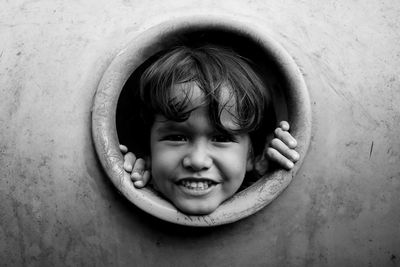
{"x": 276, "y": 67}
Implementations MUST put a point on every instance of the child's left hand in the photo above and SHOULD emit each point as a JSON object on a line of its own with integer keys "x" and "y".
{"x": 280, "y": 150}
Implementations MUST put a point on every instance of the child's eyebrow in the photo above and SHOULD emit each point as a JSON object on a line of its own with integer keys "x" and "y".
{"x": 169, "y": 125}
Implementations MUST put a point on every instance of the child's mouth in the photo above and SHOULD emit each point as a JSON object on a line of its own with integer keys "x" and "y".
{"x": 196, "y": 185}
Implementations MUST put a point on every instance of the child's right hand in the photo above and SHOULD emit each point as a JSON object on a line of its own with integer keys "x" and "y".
{"x": 135, "y": 167}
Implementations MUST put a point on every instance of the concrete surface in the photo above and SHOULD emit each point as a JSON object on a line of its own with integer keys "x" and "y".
{"x": 59, "y": 209}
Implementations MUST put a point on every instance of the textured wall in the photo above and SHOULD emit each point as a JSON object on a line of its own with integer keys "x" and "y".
{"x": 58, "y": 208}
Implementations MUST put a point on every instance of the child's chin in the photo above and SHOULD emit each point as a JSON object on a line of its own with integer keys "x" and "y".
{"x": 196, "y": 208}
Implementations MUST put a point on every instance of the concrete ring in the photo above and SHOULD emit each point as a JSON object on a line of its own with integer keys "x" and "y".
{"x": 243, "y": 203}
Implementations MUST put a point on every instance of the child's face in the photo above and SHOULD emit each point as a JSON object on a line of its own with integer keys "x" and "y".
{"x": 192, "y": 164}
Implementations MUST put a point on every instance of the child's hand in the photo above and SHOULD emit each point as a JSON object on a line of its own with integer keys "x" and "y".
{"x": 135, "y": 167}
{"x": 280, "y": 150}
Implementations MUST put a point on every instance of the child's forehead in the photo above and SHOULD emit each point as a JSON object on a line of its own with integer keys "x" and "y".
{"x": 198, "y": 119}
{"x": 190, "y": 91}
{"x": 197, "y": 100}
{"x": 187, "y": 91}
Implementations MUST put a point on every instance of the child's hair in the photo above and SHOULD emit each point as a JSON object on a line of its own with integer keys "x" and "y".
{"x": 211, "y": 68}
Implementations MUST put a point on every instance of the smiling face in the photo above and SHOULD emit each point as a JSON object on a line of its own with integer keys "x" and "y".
{"x": 193, "y": 165}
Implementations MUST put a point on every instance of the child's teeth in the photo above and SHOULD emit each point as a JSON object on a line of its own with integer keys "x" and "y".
{"x": 200, "y": 185}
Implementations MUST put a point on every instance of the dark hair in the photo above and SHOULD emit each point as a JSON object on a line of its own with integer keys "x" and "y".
{"x": 211, "y": 68}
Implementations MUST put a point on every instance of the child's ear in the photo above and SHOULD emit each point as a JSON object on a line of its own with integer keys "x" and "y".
{"x": 260, "y": 164}
{"x": 250, "y": 164}
{"x": 250, "y": 160}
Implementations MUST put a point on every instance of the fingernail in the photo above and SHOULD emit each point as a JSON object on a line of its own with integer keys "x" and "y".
{"x": 137, "y": 174}
{"x": 138, "y": 171}
{"x": 128, "y": 167}
{"x": 293, "y": 144}
{"x": 138, "y": 184}
{"x": 290, "y": 164}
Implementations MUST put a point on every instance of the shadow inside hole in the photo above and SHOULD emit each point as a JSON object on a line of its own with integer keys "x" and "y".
{"x": 135, "y": 134}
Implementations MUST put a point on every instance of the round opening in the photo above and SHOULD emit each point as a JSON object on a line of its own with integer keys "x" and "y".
{"x": 277, "y": 68}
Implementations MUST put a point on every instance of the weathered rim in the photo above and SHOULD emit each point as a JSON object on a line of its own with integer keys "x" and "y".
{"x": 242, "y": 204}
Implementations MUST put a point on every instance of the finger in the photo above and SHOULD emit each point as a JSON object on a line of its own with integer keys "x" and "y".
{"x": 123, "y": 149}
{"x": 138, "y": 170}
{"x": 284, "y": 125}
{"x": 142, "y": 183}
{"x": 286, "y": 137}
{"x": 283, "y": 149}
{"x": 274, "y": 155}
{"x": 139, "y": 184}
{"x": 129, "y": 159}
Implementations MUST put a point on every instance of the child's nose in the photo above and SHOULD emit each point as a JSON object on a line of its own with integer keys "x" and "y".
{"x": 198, "y": 158}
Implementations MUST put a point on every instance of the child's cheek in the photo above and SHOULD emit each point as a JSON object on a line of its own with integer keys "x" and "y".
{"x": 163, "y": 161}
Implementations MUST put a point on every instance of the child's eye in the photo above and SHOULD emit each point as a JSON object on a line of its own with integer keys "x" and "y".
{"x": 175, "y": 138}
{"x": 223, "y": 138}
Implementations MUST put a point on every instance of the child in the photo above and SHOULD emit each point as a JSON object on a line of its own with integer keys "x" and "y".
{"x": 204, "y": 109}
